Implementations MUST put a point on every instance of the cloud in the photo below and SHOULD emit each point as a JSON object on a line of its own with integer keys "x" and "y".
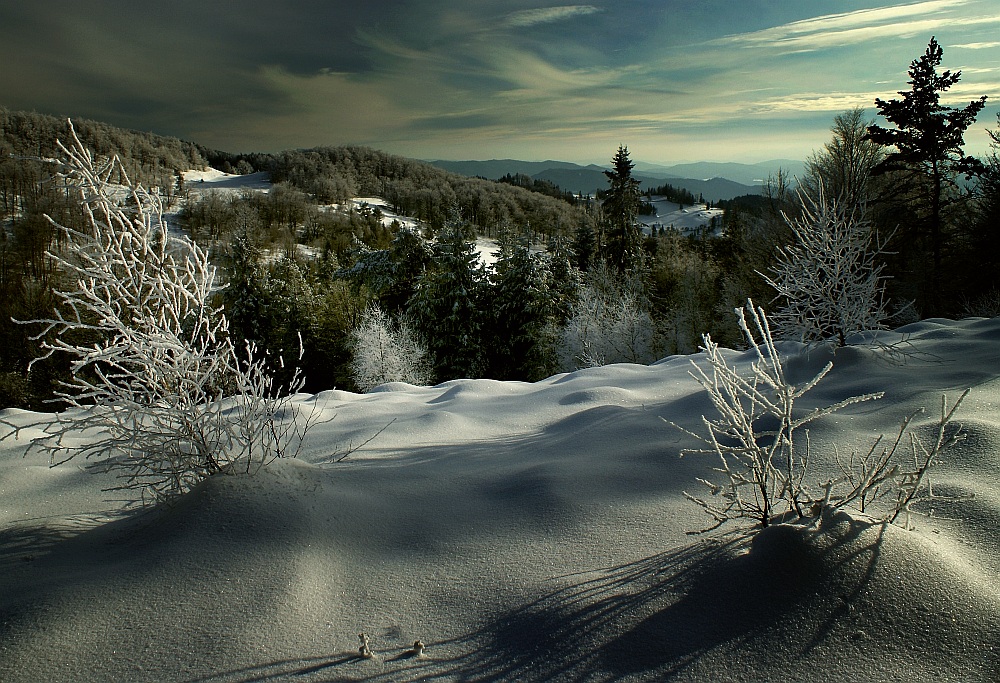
{"x": 814, "y": 102}
{"x": 547, "y": 15}
{"x": 977, "y": 46}
{"x": 849, "y": 28}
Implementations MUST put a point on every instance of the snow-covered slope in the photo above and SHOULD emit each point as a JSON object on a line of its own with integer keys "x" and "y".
{"x": 522, "y": 532}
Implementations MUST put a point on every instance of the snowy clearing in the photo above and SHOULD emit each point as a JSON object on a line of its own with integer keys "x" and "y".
{"x": 522, "y": 532}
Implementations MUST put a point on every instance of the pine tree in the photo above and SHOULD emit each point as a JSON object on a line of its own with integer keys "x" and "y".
{"x": 928, "y": 138}
{"x": 522, "y": 310}
{"x": 584, "y": 247}
{"x": 446, "y": 306}
{"x": 621, "y": 206}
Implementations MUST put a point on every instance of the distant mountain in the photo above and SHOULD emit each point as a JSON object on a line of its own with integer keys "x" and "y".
{"x": 745, "y": 174}
{"x": 590, "y": 179}
{"x": 497, "y": 168}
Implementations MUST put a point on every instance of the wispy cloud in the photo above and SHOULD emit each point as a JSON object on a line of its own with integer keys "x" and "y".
{"x": 547, "y": 15}
{"x": 977, "y": 46}
{"x": 849, "y": 28}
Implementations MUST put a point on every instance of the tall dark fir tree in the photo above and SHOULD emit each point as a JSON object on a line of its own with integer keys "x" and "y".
{"x": 621, "y": 207}
{"x": 928, "y": 138}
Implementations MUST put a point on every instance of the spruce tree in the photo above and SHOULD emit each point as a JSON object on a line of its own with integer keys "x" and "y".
{"x": 621, "y": 206}
{"x": 522, "y": 310}
{"x": 928, "y": 139}
{"x": 446, "y": 306}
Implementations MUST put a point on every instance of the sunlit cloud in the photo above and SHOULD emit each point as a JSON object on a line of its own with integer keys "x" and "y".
{"x": 547, "y": 15}
{"x": 813, "y": 102}
{"x": 866, "y": 25}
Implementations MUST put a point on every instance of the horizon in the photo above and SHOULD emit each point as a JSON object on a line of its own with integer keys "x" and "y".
{"x": 675, "y": 82}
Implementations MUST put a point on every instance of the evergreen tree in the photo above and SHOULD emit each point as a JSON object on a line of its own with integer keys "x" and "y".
{"x": 522, "y": 309}
{"x": 565, "y": 279}
{"x": 391, "y": 274}
{"x": 928, "y": 139}
{"x": 982, "y": 283}
{"x": 621, "y": 206}
{"x": 446, "y": 306}
{"x": 584, "y": 247}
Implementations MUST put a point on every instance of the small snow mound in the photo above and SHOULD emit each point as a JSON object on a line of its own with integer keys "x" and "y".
{"x": 598, "y": 396}
{"x": 390, "y": 387}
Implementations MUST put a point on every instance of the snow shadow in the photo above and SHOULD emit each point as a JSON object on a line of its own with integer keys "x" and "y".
{"x": 659, "y": 617}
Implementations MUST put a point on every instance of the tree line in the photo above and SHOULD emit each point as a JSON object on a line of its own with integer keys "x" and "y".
{"x": 574, "y": 283}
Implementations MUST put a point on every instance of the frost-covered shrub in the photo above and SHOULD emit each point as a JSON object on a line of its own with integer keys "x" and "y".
{"x": 609, "y": 323}
{"x": 387, "y": 351}
{"x": 169, "y": 397}
{"x": 756, "y": 438}
{"x": 754, "y": 433}
{"x": 828, "y": 282}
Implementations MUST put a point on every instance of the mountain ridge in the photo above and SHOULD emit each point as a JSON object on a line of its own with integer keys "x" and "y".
{"x": 713, "y": 180}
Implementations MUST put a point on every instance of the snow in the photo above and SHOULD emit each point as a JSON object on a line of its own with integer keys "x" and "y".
{"x": 388, "y": 216}
{"x": 686, "y": 220}
{"x": 199, "y": 181}
{"x": 522, "y": 532}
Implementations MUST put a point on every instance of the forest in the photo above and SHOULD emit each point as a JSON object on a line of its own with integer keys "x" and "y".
{"x": 575, "y": 282}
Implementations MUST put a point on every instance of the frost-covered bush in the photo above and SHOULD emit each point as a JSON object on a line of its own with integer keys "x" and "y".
{"x": 387, "y": 351}
{"x": 165, "y": 396}
{"x": 609, "y": 324}
{"x": 828, "y": 282}
{"x": 755, "y": 438}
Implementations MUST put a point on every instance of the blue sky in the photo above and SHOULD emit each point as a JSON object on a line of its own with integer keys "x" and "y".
{"x": 460, "y": 79}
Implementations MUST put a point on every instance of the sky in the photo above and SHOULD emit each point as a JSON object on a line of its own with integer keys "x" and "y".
{"x": 672, "y": 80}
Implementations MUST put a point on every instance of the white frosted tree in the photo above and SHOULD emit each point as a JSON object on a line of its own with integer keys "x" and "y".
{"x": 163, "y": 394}
{"x": 828, "y": 283}
{"x": 608, "y": 324}
{"x": 387, "y": 351}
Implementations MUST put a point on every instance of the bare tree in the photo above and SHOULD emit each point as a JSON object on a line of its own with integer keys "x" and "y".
{"x": 609, "y": 323}
{"x": 828, "y": 282}
{"x": 755, "y": 439}
{"x": 844, "y": 168}
{"x": 763, "y": 467}
{"x": 164, "y": 395}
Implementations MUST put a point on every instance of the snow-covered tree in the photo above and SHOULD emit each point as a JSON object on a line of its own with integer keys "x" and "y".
{"x": 446, "y": 306}
{"x": 387, "y": 351}
{"x": 753, "y": 436}
{"x": 522, "y": 307}
{"x": 828, "y": 282}
{"x": 609, "y": 324}
{"x": 390, "y": 274}
{"x": 164, "y": 395}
